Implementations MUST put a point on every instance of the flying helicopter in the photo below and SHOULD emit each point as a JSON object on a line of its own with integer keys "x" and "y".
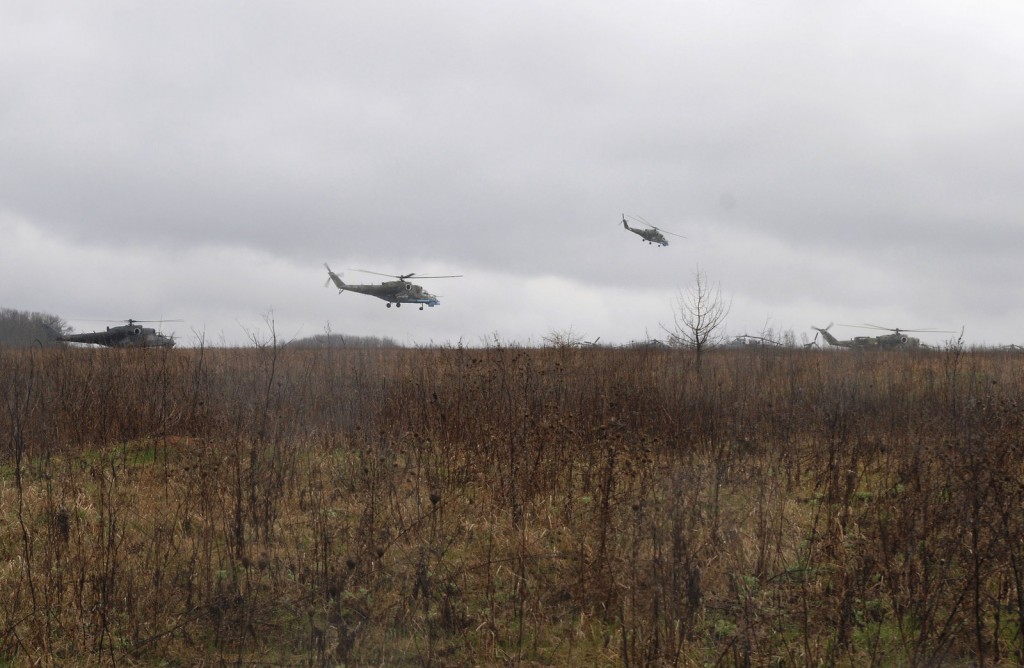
{"x": 396, "y": 292}
{"x": 653, "y": 235}
{"x": 129, "y": 335}
{"x": 897, "y": 338}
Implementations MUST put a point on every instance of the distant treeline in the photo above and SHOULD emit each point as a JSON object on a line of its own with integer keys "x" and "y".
{"x": 344, "y": 341}
{"x": 25, "y": 328}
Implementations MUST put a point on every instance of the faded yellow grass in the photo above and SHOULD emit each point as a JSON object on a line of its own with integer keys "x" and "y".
{"x": 539, "y": 507}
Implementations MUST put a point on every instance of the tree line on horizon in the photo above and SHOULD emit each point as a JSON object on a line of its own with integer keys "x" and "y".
{"x": 26, "y": 328}
{"x": 21, "y": 329}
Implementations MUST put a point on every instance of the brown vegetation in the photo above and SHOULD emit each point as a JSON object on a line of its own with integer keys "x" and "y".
{"x": 277, "y": 506}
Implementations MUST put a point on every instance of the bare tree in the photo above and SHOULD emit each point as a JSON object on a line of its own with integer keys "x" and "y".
{"x": 698, "y": 314}
{"x": 26, "y": 328}
{"x": 564, "y": 338}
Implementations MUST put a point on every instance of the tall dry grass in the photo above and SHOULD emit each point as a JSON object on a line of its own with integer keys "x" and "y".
{"x": 277, "y": 506}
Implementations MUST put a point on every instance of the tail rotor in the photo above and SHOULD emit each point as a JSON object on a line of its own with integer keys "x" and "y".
{"x": 331, "y": 276}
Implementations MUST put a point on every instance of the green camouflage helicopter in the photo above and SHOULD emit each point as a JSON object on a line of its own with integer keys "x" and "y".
{"x": 751, "y": 341}
{"x": 129, "y": 335}
{"x": 897, "y": 338}
{"x": 396, "y": 292}
{"x": 653, "y": 235}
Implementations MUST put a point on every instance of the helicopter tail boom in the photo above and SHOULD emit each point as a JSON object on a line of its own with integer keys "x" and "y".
{"x": 53, "y": 333}
{"x": 331, "y": 276}
{"x": 833, "y": 341}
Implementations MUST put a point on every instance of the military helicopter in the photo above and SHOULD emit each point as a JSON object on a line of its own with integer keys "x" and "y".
{"x": 129, "y": 335}
{"x": 396, "y": 292}
{"x": 748, "y": 340}
{"x": 653, "y": 235}
{"x": 897, "y": 339}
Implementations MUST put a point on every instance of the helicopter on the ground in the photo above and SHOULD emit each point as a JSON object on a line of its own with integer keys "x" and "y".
{"x": 653, "y": 235}
{"x": 897, "y": 338}
{"x": 745, "y": 340}
{"x": 396, "y": 292}
{"x": 130, "y": 335}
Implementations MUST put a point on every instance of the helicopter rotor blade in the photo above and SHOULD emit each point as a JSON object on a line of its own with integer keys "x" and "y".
{"x": 866, "y": 326}
{"x": 404, "y": 277}
{"x": 642, "y": 221}
{"x": 900, "y": 329}
{"x": 628, "y": 217}
{"x": 667, "y": 232}
{"x": 376, "y": 273}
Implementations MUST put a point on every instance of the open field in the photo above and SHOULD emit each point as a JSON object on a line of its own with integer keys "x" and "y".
{"x": 508, "y": 506}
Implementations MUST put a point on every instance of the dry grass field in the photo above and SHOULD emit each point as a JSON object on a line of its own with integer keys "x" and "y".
{"x": 510, "y": 506}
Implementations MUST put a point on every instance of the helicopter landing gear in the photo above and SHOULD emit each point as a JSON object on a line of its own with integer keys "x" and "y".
{"x": 421, "y": 307}
{"x": 389, "y": 304}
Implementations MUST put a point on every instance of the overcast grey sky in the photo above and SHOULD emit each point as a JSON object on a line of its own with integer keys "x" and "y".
{"x": 827, "y": 161}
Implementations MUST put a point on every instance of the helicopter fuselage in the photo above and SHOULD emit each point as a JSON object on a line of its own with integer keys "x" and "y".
{"x": 124, "y": 336}
{"x": 650, "y": 236}
{"x": 396, "y": 292}
{"x": 894, "y": 341}
{"x": 393, "y": 292}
